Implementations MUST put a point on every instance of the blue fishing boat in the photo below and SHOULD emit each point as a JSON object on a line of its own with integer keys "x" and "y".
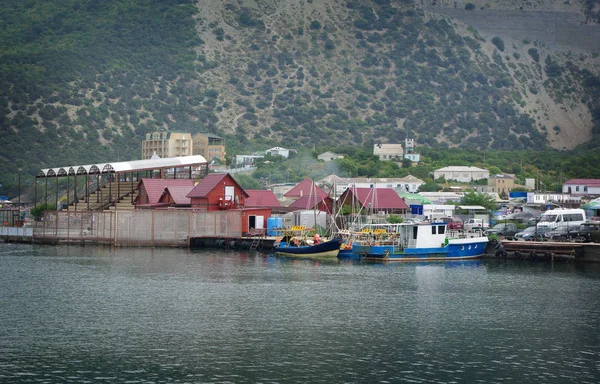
{"x": 327, "y": 249}
{"x": 422, "y": 241}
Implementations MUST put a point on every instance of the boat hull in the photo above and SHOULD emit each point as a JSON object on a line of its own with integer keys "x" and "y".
{"x": 328, "y": 249}
{"x": 456, "y": 249}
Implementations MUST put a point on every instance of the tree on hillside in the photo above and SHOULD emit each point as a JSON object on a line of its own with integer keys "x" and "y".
{"x": 476, "y": 198}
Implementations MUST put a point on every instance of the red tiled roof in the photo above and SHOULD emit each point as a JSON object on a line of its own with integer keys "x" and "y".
{"x": 155, "y": 187}
{"x": 305, "y": 188}
{"x": 261, "y": 198}
{"x": 588, "y": 182}
{"x": 207, "y": 184}
{"x": 179, "y": 194}
{"x": 379, "y": 198}
{"x": 308, "y": 202}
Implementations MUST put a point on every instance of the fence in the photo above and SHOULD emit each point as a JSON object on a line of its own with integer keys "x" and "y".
{"x": 138, "y": 227}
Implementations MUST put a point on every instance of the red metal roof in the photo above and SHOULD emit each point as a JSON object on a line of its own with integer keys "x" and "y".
{"x": 209, "y": 182}
{"x": 261, "y": 198}
{"x": 588, "y": 182}
{"x": 155, "y": 187}
{"x": 306, "y": 187}
{"x": 308, "y": 202}
{"x": 379, "y": 198}
{"x": 179, "y": 194}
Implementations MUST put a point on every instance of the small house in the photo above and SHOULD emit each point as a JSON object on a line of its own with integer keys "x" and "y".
{"x": 176, "y": 196}
{"x": 329, "y": 156}
{"x": 217, "y": 191}
{"x": 151, "y": 190}
{"x": 306, "y": 187}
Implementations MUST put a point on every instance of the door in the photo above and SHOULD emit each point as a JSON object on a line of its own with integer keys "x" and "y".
{"x": 256, "y": 222}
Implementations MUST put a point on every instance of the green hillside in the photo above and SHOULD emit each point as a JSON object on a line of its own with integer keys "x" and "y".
{"x": 84, "y": 81}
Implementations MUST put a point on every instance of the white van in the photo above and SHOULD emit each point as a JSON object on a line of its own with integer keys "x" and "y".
{"x": 560, "y": 218}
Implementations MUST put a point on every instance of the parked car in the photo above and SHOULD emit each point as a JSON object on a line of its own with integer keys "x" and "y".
{"x": 452, "y": 222}
{"x": 588, "y": 232}
{"x": 530, "y": 234}
{"x": 507, "y": 230}
{"x": 521, "y": 217}
{"x": 472, "y": 224}
{"x": 558, "y": 234}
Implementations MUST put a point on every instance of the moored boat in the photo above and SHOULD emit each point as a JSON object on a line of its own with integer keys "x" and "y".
{"x": 295, "y": 242}
{"x": 421, "y": 242}
{"x": 327, "y": 249}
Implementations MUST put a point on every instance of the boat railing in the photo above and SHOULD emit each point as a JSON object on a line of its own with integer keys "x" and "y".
{"x": 462, "y": 234}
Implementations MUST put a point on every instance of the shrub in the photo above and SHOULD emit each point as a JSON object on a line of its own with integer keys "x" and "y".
{"x": 469, "y": 7}
{"x": 533, "y": 52}
{"x": 498, "y": 43}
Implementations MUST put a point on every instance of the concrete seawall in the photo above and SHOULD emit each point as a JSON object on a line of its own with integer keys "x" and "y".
{"x": 564, "y": 29}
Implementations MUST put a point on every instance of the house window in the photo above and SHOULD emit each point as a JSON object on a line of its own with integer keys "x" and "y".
{"x": 577, "y": 188}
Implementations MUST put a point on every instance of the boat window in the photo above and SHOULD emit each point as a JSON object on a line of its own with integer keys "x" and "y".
{"x": 433, "y": 227}
{"x": 441, "y": 229}
{"x": 415, "y": 230}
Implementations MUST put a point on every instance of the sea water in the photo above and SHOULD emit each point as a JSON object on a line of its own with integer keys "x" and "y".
{"x": 73, "y": 314}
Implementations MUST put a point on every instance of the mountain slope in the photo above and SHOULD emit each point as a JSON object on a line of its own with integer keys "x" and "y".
{"x": 84, "y": 81}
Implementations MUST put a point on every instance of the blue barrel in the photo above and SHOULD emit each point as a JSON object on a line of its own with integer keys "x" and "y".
{"x": 272, "y": 224}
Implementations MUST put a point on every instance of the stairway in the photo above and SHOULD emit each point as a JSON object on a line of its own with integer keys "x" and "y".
{"x": 111, "y": 196}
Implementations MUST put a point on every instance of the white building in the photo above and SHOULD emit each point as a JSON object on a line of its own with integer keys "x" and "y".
{"x": 387, "y": 152}
{"x": 278, "y": 151}
{"x": 329, "y": 156}
{"x": 556, "y": 198}
{"x": 246, "y": 160}
{"x": 461, "y": 173}
{"x": 583, "y": 187}
{"x": 410, "y": 151}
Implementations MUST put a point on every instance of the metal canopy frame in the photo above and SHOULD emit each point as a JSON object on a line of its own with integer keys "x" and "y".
{"x": 114, "y": 171}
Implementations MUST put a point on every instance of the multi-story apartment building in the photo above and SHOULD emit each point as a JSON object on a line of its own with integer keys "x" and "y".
{"x": 167, "y": 144}
{"x": 176, "y": 144}
{"x": 209, "y": 146}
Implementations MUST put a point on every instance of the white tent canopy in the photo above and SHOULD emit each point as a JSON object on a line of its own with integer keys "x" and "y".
{"x": 124, "y": 166}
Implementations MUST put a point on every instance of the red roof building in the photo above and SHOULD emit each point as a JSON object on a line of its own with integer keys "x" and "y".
{"x": 582, "y": 187}
{"x": 306, "y": 187}
{"x": 324, "y": 203}
{"x": 374, "y": 200}
{"x": 176, "y": 196}
{"x": 217, "y": 191}
{"x": 260, "y": 198}
{"x": 151, "y": 190}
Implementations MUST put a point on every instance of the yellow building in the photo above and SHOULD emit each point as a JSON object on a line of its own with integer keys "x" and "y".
{"x": 501, "y": 183}
{"x": 167, "y": 144}
{"x": 209, "y": 146}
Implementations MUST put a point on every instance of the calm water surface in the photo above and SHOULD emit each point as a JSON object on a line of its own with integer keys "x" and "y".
{"x": 100, "y": 315}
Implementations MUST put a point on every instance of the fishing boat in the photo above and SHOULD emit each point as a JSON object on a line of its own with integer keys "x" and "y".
{"x": 295, "y": 242}
{"x": 423, "y": 241}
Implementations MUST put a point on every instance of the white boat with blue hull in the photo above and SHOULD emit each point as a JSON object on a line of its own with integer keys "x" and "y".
{"x": 421, "y": 242}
